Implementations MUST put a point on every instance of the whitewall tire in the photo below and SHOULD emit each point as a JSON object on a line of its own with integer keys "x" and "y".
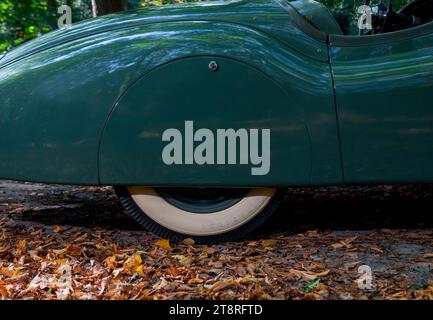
{"x": 207, "y": 215}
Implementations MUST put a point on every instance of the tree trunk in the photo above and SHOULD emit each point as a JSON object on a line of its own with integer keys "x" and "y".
{"x": 101, "y": 7}
{"x": 52, "y": 6}
{"x": 52, "y": 13}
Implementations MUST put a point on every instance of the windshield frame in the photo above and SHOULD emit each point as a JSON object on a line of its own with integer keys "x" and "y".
{"x": 302, "y": 23}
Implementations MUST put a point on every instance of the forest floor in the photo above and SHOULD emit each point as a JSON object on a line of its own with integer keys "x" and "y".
{"x": 63, "y": 242}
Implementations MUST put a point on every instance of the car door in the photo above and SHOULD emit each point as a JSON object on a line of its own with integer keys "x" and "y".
{"x": 384, "y": 97}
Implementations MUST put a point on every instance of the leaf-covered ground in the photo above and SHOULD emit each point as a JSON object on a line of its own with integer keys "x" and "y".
{"x": 61, "y": 242}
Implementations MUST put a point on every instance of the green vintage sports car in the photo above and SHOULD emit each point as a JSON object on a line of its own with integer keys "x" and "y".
{"x": 200, "y": 115}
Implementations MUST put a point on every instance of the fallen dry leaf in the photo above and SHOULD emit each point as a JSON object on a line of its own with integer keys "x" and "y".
{"x": 184, "y": 260}
{"x": 222, "y": 285}
{"x": 308, "y": 275}
{"x": 163, "y": 243}
{"x": 188, "y": 242}
{"x": 269, "y": 243}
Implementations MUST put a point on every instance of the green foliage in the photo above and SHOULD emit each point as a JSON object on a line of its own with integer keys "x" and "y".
{"x": 13, "y": 30}
{"x": 25, "y": 19}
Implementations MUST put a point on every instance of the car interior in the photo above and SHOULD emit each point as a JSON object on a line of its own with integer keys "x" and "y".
{"x": 385, "y": 17}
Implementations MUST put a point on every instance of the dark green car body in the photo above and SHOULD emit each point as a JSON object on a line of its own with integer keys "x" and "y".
{"x": 88, "y": 105}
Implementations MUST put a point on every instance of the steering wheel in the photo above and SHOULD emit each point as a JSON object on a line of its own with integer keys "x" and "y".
{"x": 388, "y": 17}
{"x": 382, "y": 19}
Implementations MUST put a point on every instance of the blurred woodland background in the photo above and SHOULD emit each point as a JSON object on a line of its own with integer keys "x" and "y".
{"x": 22, "y": 20}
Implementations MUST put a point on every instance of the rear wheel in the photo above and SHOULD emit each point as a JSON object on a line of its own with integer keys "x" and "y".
{"x": 207, "y": 215}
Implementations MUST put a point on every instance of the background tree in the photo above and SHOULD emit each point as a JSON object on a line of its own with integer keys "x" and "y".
{"x": 101, "y": 7}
